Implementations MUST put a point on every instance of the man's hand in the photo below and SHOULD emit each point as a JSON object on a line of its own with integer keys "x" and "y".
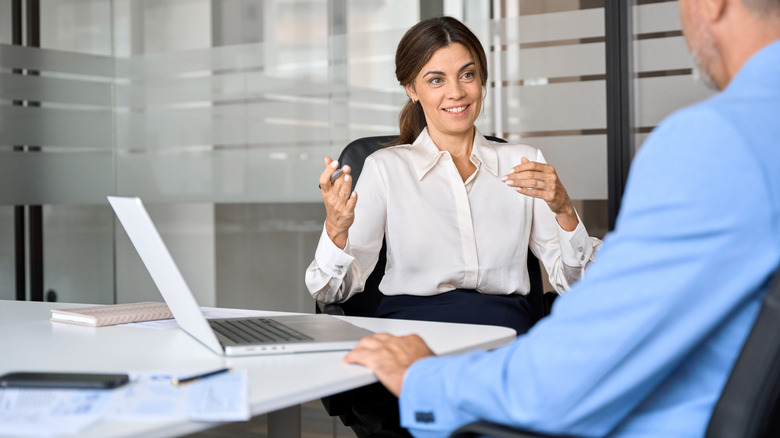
{"x": 389, "y": 357}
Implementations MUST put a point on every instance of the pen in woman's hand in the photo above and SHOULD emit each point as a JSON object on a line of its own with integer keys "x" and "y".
{"x": 335, "y": 175}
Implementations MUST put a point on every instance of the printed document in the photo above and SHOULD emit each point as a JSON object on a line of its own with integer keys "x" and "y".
{"x": 149, "y": 396}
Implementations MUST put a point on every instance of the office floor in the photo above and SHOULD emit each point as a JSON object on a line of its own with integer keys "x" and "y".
{"x": 315, "y": 423}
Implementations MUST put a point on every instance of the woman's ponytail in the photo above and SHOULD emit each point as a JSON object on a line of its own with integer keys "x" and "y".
{"x": 411, "y": 121}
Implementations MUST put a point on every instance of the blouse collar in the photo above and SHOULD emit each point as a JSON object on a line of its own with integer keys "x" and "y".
{"x": 425, "y": 154}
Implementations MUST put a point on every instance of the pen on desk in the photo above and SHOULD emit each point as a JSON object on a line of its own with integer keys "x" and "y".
{"x": 176, "y": 381}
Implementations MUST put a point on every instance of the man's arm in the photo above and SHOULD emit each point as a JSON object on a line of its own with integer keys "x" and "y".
{"x": 688, "y": 257}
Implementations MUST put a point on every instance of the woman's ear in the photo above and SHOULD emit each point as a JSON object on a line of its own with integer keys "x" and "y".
{"x": 410, "y": 92}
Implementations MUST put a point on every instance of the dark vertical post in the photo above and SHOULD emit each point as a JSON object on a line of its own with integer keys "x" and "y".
{"x": 19, "y": 212}
{"x": 35, "y": 211}
{"x": 620, "y": 144}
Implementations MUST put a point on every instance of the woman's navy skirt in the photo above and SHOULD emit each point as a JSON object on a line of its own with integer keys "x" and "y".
{"x": 462, "y": 306}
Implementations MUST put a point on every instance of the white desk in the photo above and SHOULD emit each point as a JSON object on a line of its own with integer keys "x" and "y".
{"x": 277, "y": 384}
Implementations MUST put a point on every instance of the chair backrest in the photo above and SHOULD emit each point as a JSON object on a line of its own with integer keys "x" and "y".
{"x": 366, "y": 302}
{"x": 748, "y": 406}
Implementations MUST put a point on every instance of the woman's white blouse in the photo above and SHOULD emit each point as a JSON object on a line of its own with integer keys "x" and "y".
{"x": 443, "y": 233}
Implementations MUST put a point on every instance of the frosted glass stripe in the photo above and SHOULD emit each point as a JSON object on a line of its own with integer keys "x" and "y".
{"x": 228, "y": 87}
{"x": 239, "y": 124}
{"x": 180, "y": 62}
{"x": 556, "y": 107}
{"x": 286, "y": 174}
{"x": 378, "y": 74}
{"x": 56, "y": 127}
{"x": 366, "y": 46}
{"x": 658, "y": 97}
{"x": 552, "y": 62}
{"x": 55, "y": 61}
{"x": 585, "y": 23}
{"x": 660, "y": 54}
{"x": 54, "y": 178}
{"x": 238, "y": 88}
{"x": 580, "y": 161}
{"x": 279, "y": 57}
{"x": 365, "y": 116}
{"x": 54, "y": 90}
{"x": 394, "y": 97}
{"x": 657, "y": 17}
{"x": 259, "y": 84}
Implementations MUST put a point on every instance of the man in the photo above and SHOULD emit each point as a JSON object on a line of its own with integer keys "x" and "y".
{"x": 644, "y": 344}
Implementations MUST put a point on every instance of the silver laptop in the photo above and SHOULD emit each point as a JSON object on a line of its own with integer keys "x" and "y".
{"x": 230, "y": 336}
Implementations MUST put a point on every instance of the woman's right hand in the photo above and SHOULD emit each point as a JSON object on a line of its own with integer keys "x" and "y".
{"x": 339, "y": 200}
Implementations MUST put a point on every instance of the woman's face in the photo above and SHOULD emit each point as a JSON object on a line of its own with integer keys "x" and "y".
{"x": 449, "y": 90}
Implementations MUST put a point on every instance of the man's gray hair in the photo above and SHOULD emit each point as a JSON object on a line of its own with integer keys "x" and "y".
{"x": 770, "y": 7}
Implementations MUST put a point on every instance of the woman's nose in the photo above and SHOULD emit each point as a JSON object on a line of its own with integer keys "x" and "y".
{"x": 455, "y": 90}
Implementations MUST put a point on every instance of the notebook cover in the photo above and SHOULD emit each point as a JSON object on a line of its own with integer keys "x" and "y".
{"x": 98, "y": 316}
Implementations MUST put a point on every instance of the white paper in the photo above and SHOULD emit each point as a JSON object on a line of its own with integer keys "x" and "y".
{"x": 149, "y": 396}
{"x": 45, "y": 412}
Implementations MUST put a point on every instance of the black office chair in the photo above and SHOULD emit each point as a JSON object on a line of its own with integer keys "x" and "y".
{"x": 750, "y": 402}
{"x": 365, "y": 303}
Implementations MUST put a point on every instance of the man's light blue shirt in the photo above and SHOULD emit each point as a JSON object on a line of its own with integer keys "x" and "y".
{"x": 643, "y": 345}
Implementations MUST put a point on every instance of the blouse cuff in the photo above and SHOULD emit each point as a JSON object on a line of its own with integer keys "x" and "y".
{"x": 331, "y": 259}
{"x": 576, "y": 246}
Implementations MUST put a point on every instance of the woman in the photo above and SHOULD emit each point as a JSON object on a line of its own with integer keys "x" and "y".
{"x": 458, "y": 212}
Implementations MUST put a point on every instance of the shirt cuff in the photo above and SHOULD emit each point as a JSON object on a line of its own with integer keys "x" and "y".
{"x": 331, "y": 259}
{"x": 576, "y": 246}
{"x": 422, "y": 404}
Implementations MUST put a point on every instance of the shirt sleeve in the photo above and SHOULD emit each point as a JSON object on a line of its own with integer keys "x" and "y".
{"x": 670, "y": 278}
{"x": 335, "y": 274}
{"x": 564, "y": 254}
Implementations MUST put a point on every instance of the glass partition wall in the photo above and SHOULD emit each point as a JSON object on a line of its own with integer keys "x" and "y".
{"x": 218, "y": 114}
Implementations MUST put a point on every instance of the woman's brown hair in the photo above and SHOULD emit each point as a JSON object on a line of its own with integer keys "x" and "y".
{"x": 415, "y": 50}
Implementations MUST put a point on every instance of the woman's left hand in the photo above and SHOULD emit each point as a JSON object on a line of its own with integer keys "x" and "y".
{"x": 539, "y": 180}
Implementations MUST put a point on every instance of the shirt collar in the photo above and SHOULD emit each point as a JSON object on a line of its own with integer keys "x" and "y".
{"x": 425, "y": 154}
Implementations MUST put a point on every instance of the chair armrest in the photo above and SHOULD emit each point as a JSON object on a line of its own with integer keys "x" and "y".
{"x": 488, "y": 429}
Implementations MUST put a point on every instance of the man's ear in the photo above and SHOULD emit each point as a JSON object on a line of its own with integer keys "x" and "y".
{"x": 715, "y": 9}
{"x": 410, "y": 92}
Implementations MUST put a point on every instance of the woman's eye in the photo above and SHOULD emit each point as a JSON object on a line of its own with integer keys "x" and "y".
{"x": 468, "y": 75}
{"x": 435, "y": 81}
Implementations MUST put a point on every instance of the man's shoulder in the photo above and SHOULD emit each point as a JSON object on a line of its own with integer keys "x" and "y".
{"x": 696, "y": 124}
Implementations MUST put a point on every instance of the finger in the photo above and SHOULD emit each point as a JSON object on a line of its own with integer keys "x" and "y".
{"x": 530, "y": 192}
{"x": 365, "y": 350}
{"x": 339, "y": 172}
{"x": 344, "y": 186}
{"x": 352, "y": 201}
{"x": 359, "y": 356}
{"x": 530, "y": 183}
{"x": 526, "y": 166}
{"x": 330, "y": 167}
{"x": 374, "y": 341}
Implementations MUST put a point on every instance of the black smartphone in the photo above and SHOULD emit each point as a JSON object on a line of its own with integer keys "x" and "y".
{"x": 62, "y": 380}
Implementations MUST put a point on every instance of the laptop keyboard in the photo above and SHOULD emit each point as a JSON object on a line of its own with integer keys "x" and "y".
{"x": 256, "y": 330}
